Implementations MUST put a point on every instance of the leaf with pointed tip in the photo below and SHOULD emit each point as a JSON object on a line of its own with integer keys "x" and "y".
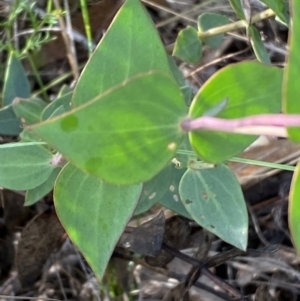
{"x": 214, "y": 198}
{"x": 258, "y": 46}
{"x": 94, "y": 213}
{"x": 188, "y": 46}
{"x": 238, "y": 8}
{"x": 124, "y": 136}
{"x": 247, "y": 10}
{"x": 130, "y": 46}
{"x": 16, "y": 83}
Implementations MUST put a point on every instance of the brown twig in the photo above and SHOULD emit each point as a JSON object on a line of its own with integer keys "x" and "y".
{"x": 70, "y": 47}
{"x": 169, "y": 274}
{"x": 221, "y": 283}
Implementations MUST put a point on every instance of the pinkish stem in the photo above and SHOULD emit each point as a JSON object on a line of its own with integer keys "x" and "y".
{"x": 233, "y": 125}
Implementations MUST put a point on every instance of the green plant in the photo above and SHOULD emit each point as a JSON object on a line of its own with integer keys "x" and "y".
{"x": 33, "y": 38}
{"x": 123, "y": 140}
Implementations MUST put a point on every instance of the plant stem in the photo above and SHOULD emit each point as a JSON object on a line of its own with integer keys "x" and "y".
{"x": 263, "y": 163}
{"x": 268, "y": 124}
{"x": 87, "y": 25}
{"x": 69, "y": 43}
{"x": 57, "y": 81}
{"x": 236, "y": 25}
{"x": 245, "y": 161}
{"x": 37, "y": 76}
{"x": 221, "y": 283}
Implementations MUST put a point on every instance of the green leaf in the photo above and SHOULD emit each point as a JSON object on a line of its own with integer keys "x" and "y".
{"x": 62, "y": 101}
{"x": 294, "y": 208}
{"x": 238, "y": 8}
{"x": 249, "y": 91}
{"x": 291, "y": 92}
{"x": 37, "y": 193}
{"x": 185, "y": 88}
{"x": 27, "y": 136}
{"x": 216, "y": 109}
{"x": 64, "y": 90}
{"x": 154, "y": 189}
{"x": 213, "y": 197}
{"x": 9, "y": 122}
{"x": 188, "y": 46}
{"x": 184, "y": 154}
{"x": 29, "y": 110}
{"x": 24, "y": 166}
{"x": 280, "y": 7}
{"x": 16, "y": 83}
{"x": 125, "y": 136}
{"x": 258, "y": 46}
{"x": 208, "y": 21}
{"x": 59, "y": 111}
{"x": 94, "y": 213}
{"x": 130, "y": 46}
{"x": 171, "y": 199}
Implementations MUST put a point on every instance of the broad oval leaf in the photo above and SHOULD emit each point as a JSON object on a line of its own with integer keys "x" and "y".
{"x": 249, "y": 91}
{"x": 94, "y": 213}
{"x": 294, "y": 208}
{"x": 130, "y": 46}
{"x": 125, "y": 136}
{"x": 214, "y": 199}
{"x": 24, "y": 165}
{"x": 188, "y": 46}
{"x": 16, "y": 83}
{"x": 291, "y": 90}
